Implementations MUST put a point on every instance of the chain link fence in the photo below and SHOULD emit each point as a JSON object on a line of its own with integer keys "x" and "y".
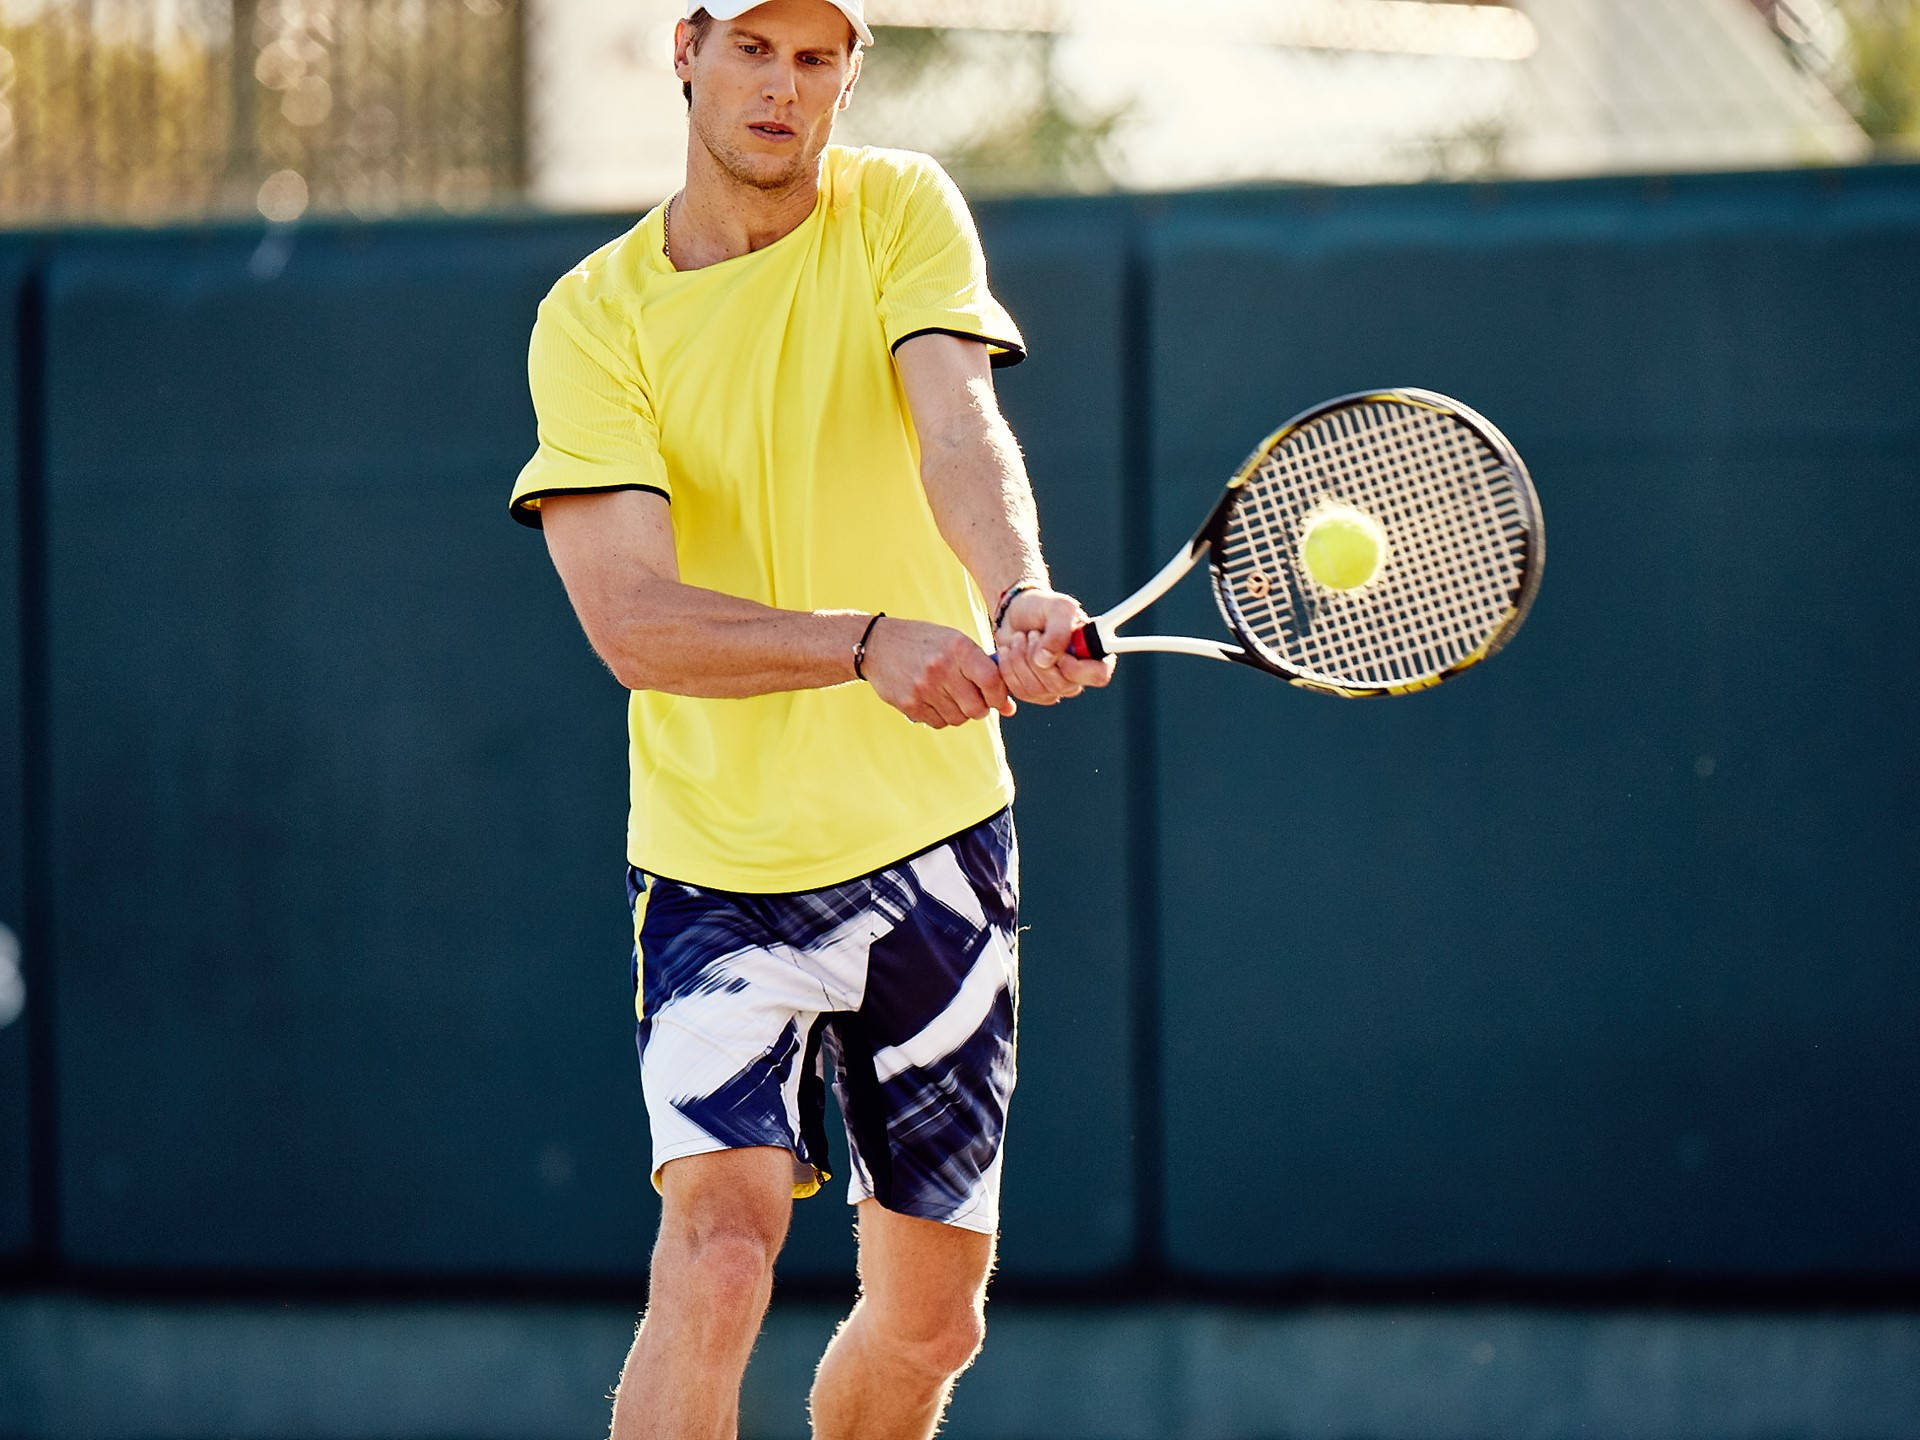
{"x": 145, "y": 111}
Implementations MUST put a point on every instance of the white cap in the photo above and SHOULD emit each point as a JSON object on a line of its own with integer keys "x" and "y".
{"x": 854, "y": 10}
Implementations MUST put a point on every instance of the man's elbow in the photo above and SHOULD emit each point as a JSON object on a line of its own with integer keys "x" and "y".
{"x": 632, "y": 662}
{"x": 639, "y": 671}
{"x": 627, "y": 634}
{"x": 632, "y": 676}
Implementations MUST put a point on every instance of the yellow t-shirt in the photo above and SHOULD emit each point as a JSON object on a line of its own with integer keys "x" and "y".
{"x": 759, "y": 396}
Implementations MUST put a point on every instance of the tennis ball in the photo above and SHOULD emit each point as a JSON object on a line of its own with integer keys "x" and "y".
{"x": 1341, "y": 547}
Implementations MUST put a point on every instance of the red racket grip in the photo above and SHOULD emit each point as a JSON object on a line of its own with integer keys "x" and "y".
{"x": 1085, "y": 642}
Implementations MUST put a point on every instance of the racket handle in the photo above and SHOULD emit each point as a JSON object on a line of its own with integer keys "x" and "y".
{"x": 1085, "y": 642}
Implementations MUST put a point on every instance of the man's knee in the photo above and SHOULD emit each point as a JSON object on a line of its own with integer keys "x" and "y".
{"x": 944, "y": 1345}
{"x": 724, "y": 1222}
{"x": 729, "y": 1265}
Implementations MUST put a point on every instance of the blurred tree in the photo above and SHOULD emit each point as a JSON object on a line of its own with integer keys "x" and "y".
{"x": 207, "y": 107}
{"x": 991, "y": 105}
{"x": 1883, "y": 69}
{"x": 1052, "y": 144}
{"x": 112, "y": 125}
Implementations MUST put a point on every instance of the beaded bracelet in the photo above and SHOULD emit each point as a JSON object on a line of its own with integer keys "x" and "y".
{"x": 1007, "y": 597}
{"x": 860, "y": 650}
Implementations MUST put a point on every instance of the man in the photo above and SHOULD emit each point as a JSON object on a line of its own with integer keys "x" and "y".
{"x": 777, "y": 487}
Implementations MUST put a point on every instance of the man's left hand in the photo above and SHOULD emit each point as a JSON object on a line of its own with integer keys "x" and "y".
{"x": 1031, "y": 646}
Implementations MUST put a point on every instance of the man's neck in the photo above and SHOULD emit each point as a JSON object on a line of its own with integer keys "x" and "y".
{"x": 717, "y": 217}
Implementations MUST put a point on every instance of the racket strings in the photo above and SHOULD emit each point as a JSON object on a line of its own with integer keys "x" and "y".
{"x": 1420, "y": 625}
{"x": 1457, "y": 528}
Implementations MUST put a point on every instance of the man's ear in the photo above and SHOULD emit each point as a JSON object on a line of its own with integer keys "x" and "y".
{"x": 853, "y": 78}
{"x": 683, "y": 50}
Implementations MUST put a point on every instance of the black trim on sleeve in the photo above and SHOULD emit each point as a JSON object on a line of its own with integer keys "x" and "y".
{"x": 1008, "y": 354}
{"x": 529, "y": 515}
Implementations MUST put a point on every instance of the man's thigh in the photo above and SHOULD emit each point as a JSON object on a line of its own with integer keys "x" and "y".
{"x": 744, "y": 1192}
{"x": 919, "y": 1272}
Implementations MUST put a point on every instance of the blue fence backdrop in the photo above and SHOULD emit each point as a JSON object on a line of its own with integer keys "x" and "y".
{"x": 1595, "y": 967}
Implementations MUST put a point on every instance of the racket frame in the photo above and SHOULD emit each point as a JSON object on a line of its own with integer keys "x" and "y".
{"x": 1097, "y": 638}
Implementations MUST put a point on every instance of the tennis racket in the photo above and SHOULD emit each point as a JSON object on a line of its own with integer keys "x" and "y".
{"x": 1377, "y": 544}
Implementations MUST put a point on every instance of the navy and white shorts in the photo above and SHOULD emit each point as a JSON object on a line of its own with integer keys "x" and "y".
{"x": 898, "y": 988}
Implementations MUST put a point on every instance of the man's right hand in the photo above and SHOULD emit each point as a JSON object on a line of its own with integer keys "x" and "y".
{"x": 933, "y": 675}
{"x": 1032, "y": 646}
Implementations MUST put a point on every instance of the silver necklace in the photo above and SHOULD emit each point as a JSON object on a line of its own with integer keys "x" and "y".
{"x": 666, "y": 229}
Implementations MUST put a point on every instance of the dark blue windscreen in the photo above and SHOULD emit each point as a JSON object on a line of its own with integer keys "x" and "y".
{"x": 340, "y": 787}
{"x": 1597, "y": 962}
{"x": 16, "y": 1195}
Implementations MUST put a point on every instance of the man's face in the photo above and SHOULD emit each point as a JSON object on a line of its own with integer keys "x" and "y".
{"x": 766, "y": 87}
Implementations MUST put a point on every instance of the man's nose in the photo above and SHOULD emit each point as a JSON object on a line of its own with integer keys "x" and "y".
{"x": 783, "y": 83}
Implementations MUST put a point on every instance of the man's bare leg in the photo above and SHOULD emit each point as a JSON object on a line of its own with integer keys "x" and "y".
{"x": 918, "y": 1323}
{"x": 722, "y": 1221}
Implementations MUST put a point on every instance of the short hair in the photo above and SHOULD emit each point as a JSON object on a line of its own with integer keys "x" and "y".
{"x": 698, "y": 24}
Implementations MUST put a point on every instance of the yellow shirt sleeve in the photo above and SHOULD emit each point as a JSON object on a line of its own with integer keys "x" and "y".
{"x": 933, "y": 273}
{"x": 596, "y": 423}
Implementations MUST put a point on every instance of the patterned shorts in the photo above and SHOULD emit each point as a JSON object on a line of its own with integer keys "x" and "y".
{"x": 898, "y": 988}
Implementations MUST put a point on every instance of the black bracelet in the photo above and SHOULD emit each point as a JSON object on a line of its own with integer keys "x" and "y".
{"x": 860, "y": 650}
{"x": 1007, "y": 598}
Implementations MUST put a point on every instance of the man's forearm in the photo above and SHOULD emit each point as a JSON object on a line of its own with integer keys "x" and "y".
{"x": 615, "y": 554}
{"x": 688, "y": 641}
{"x": 976, "y": 483}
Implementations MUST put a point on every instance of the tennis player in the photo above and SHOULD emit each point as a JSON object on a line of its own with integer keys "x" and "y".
{"x": 776, "y": 484}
